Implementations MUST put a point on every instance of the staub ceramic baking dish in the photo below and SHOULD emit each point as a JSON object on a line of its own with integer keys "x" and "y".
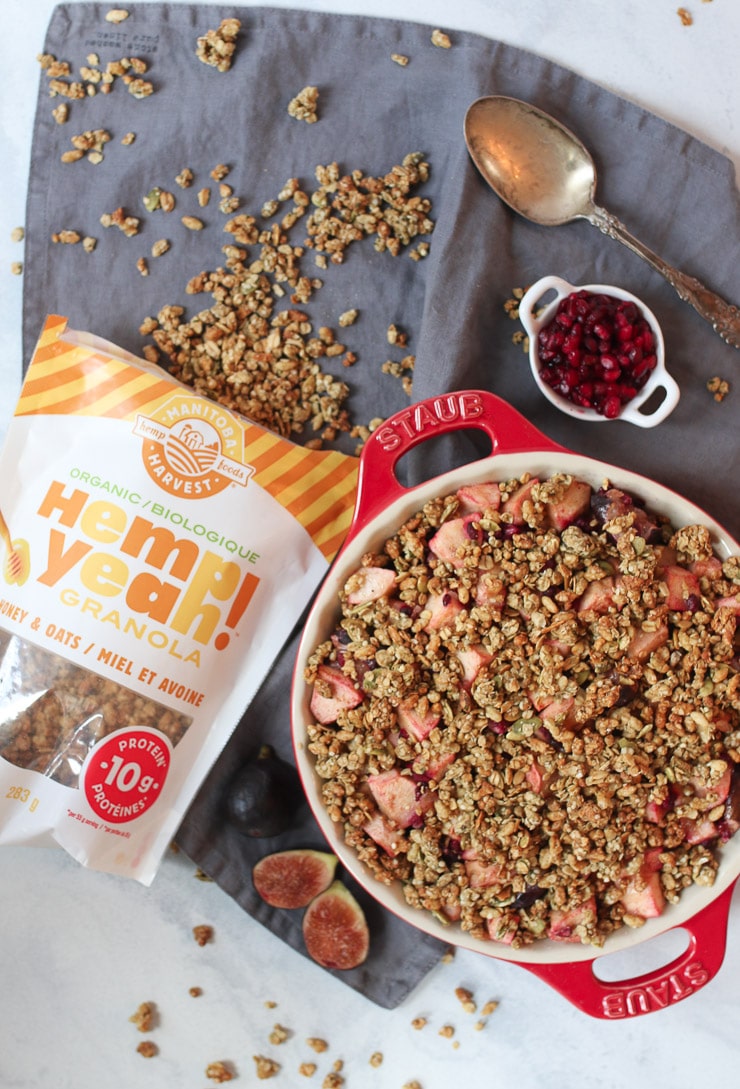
{"x": 382, "y": 505}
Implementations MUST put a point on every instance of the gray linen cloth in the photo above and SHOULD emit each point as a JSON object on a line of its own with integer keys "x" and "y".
{"x": 673, "y": 192}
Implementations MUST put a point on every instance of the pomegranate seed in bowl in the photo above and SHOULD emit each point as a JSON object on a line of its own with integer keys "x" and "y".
{"x": 597, "y": 352}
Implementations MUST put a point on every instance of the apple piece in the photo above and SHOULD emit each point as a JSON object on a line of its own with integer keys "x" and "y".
{"x": 291, "y": 879}
{"x": 451, "y": 912}
{"x": 398, "y": 797}
{"x": 710, "y": 568}
{"x": 384, "y": 833}
{"x": 335, "y": 929}
{"x": 537, "y": 778}
{"x": 562, "y": 713}
{"x": 598, "y": 597}
{"x": 500, "y": 928}
{"x": 514, "y": 505}
{"x": 572, "y": 505}
{"x": 473, "y": 659}
{"x": 451, "y": 543}
{"x": 563, "y": 923}
{"x": 416, "y": 718}
{"x": 717, "y": 793}
{"x": 701, "y": 830}
{"x": 665, "y": 556}
{"x": 643, "y": 643}
{"x": 332, "y": 693}
{"x": 643, "y": 894}
{"x": 443, "y": 609}
{"x": 732, "y": 601}
{"x": 435, "y": 767}
{"x": 684, "y": 590}
{"x": 483, "y": 875}
{"x": 491, "y": 590}
{"x": 478, "y": 497}
{"x": 369, "y": 584}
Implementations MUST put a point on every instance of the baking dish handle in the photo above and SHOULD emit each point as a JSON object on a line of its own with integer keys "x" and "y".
{"x": 655, "y": 990}
{"x": 507, "y": 429}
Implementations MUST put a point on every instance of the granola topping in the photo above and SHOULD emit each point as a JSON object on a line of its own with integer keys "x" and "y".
{"x": 528, "y": 713}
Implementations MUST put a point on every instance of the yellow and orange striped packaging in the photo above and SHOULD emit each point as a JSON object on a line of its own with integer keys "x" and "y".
{"x": 159, "y": 549}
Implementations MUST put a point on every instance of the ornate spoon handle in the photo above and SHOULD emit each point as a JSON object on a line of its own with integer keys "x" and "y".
{"x": 722, "y": 316}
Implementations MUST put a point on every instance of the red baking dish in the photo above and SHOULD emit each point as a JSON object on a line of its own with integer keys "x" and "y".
{"x": 382, "y": 505}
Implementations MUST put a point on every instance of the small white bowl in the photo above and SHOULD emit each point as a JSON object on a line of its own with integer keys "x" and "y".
{"x": 659, "y": 377}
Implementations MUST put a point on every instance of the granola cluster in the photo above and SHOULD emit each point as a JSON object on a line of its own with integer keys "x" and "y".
{"x": 245, "y": 352}
{"x": 529, "y": 711}
{"x": 55, "y": 711}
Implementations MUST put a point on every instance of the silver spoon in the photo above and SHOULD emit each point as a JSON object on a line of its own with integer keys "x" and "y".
{"x": 541, "y": 170}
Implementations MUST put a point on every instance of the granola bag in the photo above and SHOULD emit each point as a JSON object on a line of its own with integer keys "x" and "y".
{"x": 158, "y": 550}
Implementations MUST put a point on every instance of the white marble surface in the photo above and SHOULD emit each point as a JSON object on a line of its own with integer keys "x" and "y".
{"x": 79, "y": 951}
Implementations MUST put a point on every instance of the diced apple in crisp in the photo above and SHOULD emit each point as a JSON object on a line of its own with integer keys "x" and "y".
{"x": 537, "y": 778}
{"x": 385, "y": 834}
{"x": 562, "y": 713}
{"x": 643, "y": 643}
{"x": 598, "y": 597}
{"x": 369, "y": 584}
{"x": 665, "y": 556}
{"x": 478, "y": 497}
{"x": 655, "y": 811}
{"x": 491, "y": 590}
{"x": 710, "y": 568}
{"x": 563, "y": 923}
{"x": 451, "y": 912}
{"x": 515, "y": 503}
{"x": 332, "y": 693}
{"x": 443, "y": 608}
{"x": 437, "y": 766}
{"x": 718, "y": 791}
{"x": 698, "y": 831}
{"x": 473, "y": 659}
{"x": 732, "y": 601}
{"x": 499, "y": 929}
{"x": 451, "y": 543}
{"x": 416, "y": 718}
{"x": 683, "y": 587}
{"x": 572, "y": 504}
{"x": 643, "y": 895}
{"x": 397, "y": 797}
{"x": 483, "y": 875}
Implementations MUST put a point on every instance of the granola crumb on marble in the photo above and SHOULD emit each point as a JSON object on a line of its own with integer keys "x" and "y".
{"x": 220, "y": 1072}
{"x": 145, "y": 1017}
{"x": 203, "y": 934}
{"x": 266, "y": 1067}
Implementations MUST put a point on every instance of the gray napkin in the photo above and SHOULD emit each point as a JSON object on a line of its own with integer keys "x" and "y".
{"x": 673, "y": 192}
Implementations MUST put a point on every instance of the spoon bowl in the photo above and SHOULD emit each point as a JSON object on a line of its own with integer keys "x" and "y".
{"x": 542, "y": 171}
{"x": 537, "y": 166}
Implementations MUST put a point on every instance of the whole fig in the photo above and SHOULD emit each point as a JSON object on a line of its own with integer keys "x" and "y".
{"x": 264, "y": 795}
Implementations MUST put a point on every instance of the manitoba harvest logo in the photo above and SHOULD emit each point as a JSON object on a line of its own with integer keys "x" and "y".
{"x": 191, "y": 447}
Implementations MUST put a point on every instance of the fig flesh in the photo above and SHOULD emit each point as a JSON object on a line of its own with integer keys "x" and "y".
{"x": 293, "y": 878}
{"x": 264, "y": 795}
{"x": 335, "y": 929}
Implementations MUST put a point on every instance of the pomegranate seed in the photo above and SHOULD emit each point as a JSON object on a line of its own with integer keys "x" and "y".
{"x": 597, "y": 351}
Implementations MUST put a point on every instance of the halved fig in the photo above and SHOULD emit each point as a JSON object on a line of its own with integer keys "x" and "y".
{"x": 293, "y": 878}
{"x": 335, "y": 929}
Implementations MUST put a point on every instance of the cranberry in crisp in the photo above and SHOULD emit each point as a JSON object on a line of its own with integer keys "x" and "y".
{"x": 598, "y": 351}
